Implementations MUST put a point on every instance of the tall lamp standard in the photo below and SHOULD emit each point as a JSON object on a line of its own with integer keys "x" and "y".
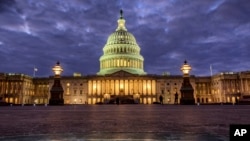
{"x": 187, "y": 91}
{"x": 56, "y": 92}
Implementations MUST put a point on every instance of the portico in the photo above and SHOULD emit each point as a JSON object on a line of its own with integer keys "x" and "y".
{"x": 140, "y": 88}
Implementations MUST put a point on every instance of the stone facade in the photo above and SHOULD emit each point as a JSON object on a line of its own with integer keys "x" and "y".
{"x": 144, "y": 89}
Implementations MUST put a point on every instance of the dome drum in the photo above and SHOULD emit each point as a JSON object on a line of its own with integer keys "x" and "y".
{"x": 121, "y": 49}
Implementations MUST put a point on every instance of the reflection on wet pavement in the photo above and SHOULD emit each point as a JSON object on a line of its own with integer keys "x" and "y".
{"x": 123, "y": 122}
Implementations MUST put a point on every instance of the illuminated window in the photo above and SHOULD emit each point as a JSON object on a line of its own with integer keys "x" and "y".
{"x": 67, "y": 91}
{"x": 118, "y": 63}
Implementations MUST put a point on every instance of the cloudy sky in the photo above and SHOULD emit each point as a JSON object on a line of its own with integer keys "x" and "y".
{"x": 205, "y": 32}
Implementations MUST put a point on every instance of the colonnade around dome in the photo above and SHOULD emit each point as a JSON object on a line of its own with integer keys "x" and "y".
{"x": 121, "y": 50}
{"x": 121, "y": 63}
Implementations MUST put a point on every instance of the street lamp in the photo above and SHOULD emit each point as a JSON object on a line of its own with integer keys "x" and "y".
{"x": 57, "y": 69}
{"x": 187, "y": 91}
{"x": 185, "y": 69}
{"x": 56, "y": 92}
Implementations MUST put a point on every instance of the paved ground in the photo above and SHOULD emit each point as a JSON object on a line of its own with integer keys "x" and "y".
{"x": 123, "y": 122}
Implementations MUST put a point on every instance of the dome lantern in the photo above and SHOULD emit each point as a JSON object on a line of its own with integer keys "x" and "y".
{"x": 121, "y": 22}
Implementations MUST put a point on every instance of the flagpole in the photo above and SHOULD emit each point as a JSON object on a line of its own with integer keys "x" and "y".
{"x": 34, "y": 72}
{"x": 211, "y": 70}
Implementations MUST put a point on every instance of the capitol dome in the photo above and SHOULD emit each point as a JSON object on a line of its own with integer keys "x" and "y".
{"x": 121, "y": 52}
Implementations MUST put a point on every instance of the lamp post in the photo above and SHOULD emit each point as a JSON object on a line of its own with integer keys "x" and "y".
{"x": 56, "y": 92}
{"x": 187, "y": 91}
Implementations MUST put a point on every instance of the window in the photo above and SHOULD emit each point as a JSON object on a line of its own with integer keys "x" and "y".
{"x": 175, "y": 89}
{"x": 67, "y": 91}
{"x": 80, "y": 91}
{"x": 75, "y": 92}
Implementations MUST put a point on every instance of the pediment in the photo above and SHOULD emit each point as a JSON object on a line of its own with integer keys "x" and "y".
{"x": 121, "y": 73}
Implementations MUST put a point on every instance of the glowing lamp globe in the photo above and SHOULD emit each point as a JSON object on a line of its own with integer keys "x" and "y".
{"x": 185, "y": 68}
{"x": 57, "y": 69}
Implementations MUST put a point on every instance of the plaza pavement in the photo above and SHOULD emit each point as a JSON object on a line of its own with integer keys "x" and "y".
{"x": 121, "y": 122}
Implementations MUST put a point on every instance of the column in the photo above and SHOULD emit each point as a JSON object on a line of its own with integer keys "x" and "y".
{"x": 106, "y": 87}
{"x": 126, "y": 87}
{"x": 130, "y": 86}
{"x": 113, "y": 87}
{"x": 134, "y": 87}
{"x": 136, "y": 63}
{"x": 122, "y": 63}
{"x": 153, "y": 87}
{"x": 109, "y": 87}
{"x": 116, "y": 84}
{"x": 102, "y": 87}
{"x": 150, "y": 87}
{"x": 119, "y": 86}
{"x": 96, "y": 86}
{"x": 89, "y": 87}
{"x": 125, "y": 62}
{"x": 140, "y": 87}
{"x": 144, "y": 87}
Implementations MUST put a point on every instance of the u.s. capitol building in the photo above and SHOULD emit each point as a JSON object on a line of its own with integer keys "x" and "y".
{"x": 122, "y": 74}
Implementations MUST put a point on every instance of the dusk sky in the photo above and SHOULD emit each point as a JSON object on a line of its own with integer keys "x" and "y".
{"x": 204, "y": 32}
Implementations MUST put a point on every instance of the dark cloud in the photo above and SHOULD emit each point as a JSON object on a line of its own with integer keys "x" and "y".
{"x": 5, "y": 5}
{"x": 39, "y": 33}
